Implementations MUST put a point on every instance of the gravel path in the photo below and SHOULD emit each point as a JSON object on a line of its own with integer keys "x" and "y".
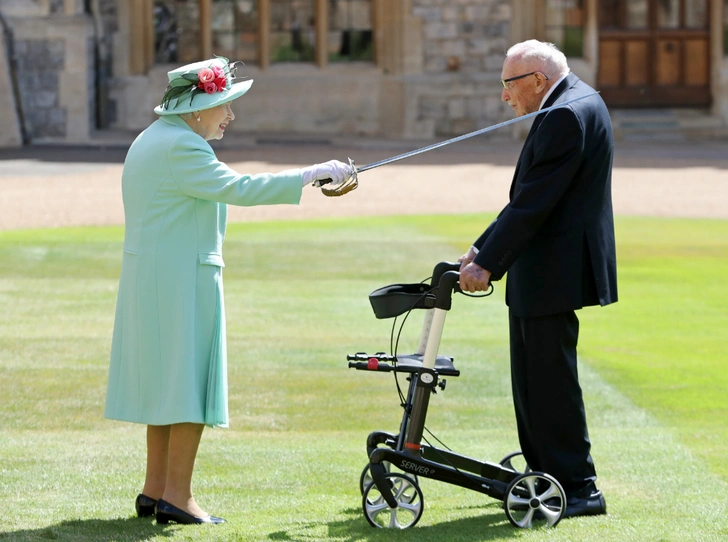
{"x": 50, "y": 187}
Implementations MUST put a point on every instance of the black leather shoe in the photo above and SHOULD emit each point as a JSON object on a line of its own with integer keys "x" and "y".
{"x": 593, "y": 505}
{"x": 167, "y": 512}
{"x": 144, "y": 505}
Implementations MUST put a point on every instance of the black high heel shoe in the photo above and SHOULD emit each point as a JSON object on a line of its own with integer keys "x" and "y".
{"x": 166, "y": 512}
{"x": 144, "y": 505}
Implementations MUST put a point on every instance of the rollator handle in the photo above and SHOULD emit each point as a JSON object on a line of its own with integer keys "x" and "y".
{"x": 442, "y": 268}
{"x": 449, "y": 283}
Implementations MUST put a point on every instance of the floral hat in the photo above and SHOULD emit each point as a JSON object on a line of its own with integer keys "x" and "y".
{"x": 201, "y": 85}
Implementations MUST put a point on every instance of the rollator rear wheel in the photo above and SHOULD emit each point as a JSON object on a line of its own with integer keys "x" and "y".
{"x": 409, "y": 499}
{"x": 516, "y": 462}
{"x": 534, "y": 499}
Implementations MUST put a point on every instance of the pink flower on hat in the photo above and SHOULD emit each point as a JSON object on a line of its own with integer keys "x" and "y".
{"x": 206, "y": 75}
{"x": 185, "y": 85}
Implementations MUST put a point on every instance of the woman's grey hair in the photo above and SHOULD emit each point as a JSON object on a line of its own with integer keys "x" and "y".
{"x": 541, "y": 53}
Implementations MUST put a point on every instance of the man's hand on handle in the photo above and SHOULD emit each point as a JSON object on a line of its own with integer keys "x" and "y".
{"x": 473, "y": 278}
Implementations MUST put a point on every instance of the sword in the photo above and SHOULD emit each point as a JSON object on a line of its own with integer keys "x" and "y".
{"x": 353, "y": 181}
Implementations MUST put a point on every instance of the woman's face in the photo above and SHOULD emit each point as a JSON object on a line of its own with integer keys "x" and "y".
{"x": 213, "y": 121}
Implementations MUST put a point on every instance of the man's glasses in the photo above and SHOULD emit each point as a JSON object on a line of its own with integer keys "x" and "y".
{"x": 506, "y": 82}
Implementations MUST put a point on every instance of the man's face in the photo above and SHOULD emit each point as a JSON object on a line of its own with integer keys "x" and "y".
{"x": 523, "y": 95}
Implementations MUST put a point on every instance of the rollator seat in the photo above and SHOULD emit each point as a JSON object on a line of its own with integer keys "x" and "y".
{"x": 443, "y": 364}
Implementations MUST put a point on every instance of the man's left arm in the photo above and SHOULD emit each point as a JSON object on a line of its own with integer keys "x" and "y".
{"x": 557, "y": 155}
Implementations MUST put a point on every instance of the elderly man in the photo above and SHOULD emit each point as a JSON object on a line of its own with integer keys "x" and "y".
{"x": 556, "y": 241}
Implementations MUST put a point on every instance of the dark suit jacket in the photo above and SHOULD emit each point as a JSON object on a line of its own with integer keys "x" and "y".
{"x": 556, "y": 236}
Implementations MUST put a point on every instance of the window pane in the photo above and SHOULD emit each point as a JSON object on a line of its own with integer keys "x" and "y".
{"x": 609, "y": 14}
{"x": 668, "y": 13}
{"x": 696, "y": 14}
{"x": 350, "y": 30}
{"x": 235, "y": 29}
{"x": 637, "y": 14}
{"x": 176, "y": 31}
{"x": 293, "y": 30}
{"x": 565, "y": 25}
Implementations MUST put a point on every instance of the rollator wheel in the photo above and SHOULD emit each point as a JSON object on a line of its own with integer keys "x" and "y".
{"x": 534, "y": 498}
{"x": 515, "y": 462}
{"x": 409, "y": 499}
{"x": 366, "y": 480}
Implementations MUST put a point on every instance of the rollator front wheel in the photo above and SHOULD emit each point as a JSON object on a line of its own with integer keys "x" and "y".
{"x": 534, "y": 498}
{"x": 410, "y": 503}
{"x": 365, "y": 480}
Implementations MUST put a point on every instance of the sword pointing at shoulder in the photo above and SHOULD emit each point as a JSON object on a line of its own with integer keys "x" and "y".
{"x": 353, "y": 181}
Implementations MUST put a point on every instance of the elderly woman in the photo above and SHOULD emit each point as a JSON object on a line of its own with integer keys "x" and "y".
{"x": 168, "y": 356}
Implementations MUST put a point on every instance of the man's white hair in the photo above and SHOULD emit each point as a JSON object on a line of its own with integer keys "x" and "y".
{"x": 541, "y": 53}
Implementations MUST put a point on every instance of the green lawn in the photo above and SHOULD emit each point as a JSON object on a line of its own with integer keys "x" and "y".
{"x": 653, "y": 371}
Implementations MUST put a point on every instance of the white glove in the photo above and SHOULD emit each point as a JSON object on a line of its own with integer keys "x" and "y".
{"x": 337, "y": 171}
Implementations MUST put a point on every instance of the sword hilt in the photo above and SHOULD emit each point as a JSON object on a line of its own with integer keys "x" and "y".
{"x": 321, "y": 182}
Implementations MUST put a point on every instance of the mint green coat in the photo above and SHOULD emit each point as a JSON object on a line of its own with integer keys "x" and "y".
{"x": 168, "y": 353}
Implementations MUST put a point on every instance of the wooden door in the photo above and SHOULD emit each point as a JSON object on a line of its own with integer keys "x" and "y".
{"x": 654, "y": 53}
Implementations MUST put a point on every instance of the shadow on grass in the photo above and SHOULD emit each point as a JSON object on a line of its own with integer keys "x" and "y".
{"x": 98, "y": 530}
{"x": 491, "y": 525}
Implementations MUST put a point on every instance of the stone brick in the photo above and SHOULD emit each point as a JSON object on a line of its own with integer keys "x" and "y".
{"x": 477, "y": 46}
{"x": 462, "y": 126}
{"x": 435, "y": 64}
{"x": 47, "y": 80}
{"x": 55, "y": 51}
{"x": 467, "y": 27}
{"x": 428, "y": 14}
{"x": 41, "y": 99}
{"x": 456, "y": 108}
{"x": 497, "y": 30}
{"x": 474, "y": 107}
{"x": 452, "y": 13}
{"x": 431, "y": 107}
{"x": 56, "y": 124}
{"x": 478, "y": 13}
{"x": 453, "y": 47}
{"x": 28, "y": 81}
{"x": 440, "y": 30}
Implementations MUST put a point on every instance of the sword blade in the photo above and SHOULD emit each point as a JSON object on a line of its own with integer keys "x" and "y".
{"x": 466, "y": 136}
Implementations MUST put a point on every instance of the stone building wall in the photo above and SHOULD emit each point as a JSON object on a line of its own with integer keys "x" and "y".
{"x": 463, "y": 44}
{"x": 40, "y": 62}
{"x": 55, "y": 73}
{"x": 468, "y": 36}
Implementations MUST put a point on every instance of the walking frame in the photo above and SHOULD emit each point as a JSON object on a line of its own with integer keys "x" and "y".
{"x": 393, "y": 499}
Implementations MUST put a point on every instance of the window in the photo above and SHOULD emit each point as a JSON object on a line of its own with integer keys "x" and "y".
{"x": 292, "y": 30}
{"x": 235, "y": 29}
{"x": 565, "y": 25}
{"x": 350, "y": 30}
{"x": 263, "y": 31}
{"x": 176, "y": 31}
{"x": 696, "y": 14}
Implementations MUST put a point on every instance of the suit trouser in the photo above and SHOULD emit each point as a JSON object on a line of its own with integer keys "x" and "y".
{"x": 548, "y": 400}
